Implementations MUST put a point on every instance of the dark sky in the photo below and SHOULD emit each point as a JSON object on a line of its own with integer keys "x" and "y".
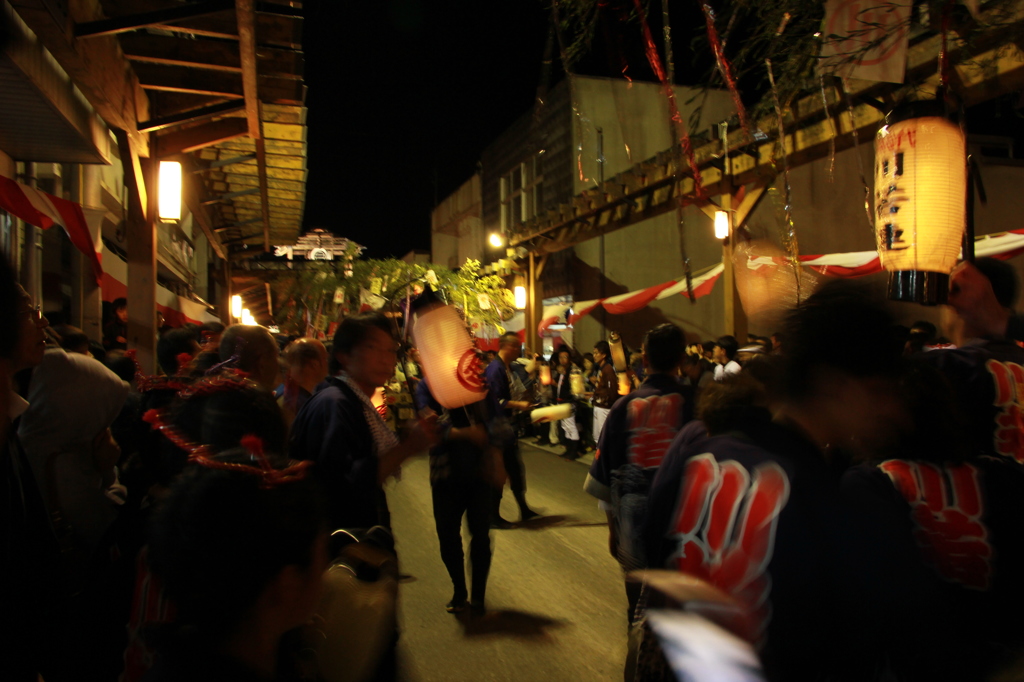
{"x": 403, "y": 96}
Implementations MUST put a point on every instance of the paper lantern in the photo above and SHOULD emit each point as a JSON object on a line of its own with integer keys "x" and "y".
{"x": 545, "y": 374}
{"x": 920, "y": 201}
{"x": 576, "y": 382}
{"x": 625, "y": 385}
{"x": 236, "y": 306}
{"x": 169, "y": 199}
{"x": 552, "y": 413}
{"x": 721, "y": 225}
{"x": 448, "y": 357}
{"x": 618, "y": 352}
{"x": 520, "y": 296}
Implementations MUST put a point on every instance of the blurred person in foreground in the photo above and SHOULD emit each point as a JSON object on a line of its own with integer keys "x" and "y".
{"x": 341, "y": 430}
{"x": 752, "y": 508}
{"x": 33, "y": 598}
{"x": 240, "y": 545}
{"x": 254, "y": 351}
{"x": 636, "y": 435}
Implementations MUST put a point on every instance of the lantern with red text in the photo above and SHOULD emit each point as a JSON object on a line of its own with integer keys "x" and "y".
{"x": 920, "y": 201}
{"x": 449, "y": 359}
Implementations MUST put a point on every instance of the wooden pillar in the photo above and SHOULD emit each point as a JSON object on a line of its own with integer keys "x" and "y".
{"x": 534, "y": 307}
{"x": 225, "y": 298}
{"x": 735, "y": 317}
{"x": 141, "y": 181}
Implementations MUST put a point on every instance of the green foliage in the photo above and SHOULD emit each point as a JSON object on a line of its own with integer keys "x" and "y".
{"x": 314, "y": 290}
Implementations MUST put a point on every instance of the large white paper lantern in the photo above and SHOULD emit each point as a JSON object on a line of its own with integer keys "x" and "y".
{"x": 447, "y": 354}
{"x": 576, "y": 382}
{"x": 545, "y": 374}
{"x": 920, "y": 201}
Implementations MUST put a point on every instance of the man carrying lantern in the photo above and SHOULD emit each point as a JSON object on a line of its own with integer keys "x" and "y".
{"x": 499, "y": 386}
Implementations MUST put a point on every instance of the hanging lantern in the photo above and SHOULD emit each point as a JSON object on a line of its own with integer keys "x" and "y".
{"x": 920, "y": 201}
{"x": 625, "y": 385}
{"x": 448, "y": 357}
{"x": 545, "y": 374}
{"x": 576, "y": 382}
{"x": 618, "y": 352}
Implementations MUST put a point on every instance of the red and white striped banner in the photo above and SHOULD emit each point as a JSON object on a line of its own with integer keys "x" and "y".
{"x": 1004, "y": 245}
{"x": 44, "y": 211}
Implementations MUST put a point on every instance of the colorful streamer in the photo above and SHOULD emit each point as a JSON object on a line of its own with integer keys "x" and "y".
{"x": 654, "y": 59}
{"x": 725, "y": 68}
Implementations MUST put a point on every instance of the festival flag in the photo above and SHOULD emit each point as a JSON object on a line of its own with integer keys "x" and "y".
{"x": 866, "y": 39}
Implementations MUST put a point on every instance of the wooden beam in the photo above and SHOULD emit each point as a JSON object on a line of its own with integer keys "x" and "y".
{"x": 231, "y": 195}
{"x": 191, "y": 139}
{"x": 245, "y": 13}
{"x": 96, "y": 67}
{"x": 270, "y": 302}
{"x": 106, "y": 27}
{"x": 164, "y": 78}
{"x": 192, "y": 195}
{"x": 193, "y": 116}
{"x": 213, "y": 55}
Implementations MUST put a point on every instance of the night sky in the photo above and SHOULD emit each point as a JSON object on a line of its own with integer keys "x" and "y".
{"x": 403, "y": 96}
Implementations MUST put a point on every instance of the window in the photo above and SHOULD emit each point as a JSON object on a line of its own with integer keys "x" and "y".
{"x": 521, "y": 193}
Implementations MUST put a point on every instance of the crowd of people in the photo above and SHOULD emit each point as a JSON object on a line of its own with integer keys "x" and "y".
{"x": 852, "y": 490}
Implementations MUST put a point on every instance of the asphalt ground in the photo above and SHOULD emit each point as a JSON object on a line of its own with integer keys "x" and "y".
{"x": 555, "y": 598}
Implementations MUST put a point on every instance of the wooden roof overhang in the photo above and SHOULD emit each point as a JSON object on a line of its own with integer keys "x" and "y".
{"x": 216, "y": 84}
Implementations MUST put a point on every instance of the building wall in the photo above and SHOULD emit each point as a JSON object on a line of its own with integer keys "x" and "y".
{"x": 634, "y": 122}
{"x": 456, "y": 230}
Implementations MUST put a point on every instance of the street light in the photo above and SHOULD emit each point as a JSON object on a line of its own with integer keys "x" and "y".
{"x": 721, "y": 224}
{"x": 236, "y": 306}
{"x": 170, "y": 190}
{"x": 497, "y": 241}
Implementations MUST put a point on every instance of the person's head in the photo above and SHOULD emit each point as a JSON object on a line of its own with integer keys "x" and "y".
{"x": 564, "y": 357}
{"x": 118, "y": 362}
{"x": 257, "y": 352}
{"x": 691, "y": 366}
{"x": 1003, "y": 277}
{"x": 601, "y": 351}
{"x": 841, "y": 366}
{"x": 73, "y": 339}
{"x": 366, "y": 350}
{"x": 120, "y": 310}
{"x": 510, "y": 346}
{"x": 664, "y": 348}
{"x": 709, "y": 350}
{"x": 209, "y": 335}
{"x": 31, "y": 336}
{"x": 588, "y": 361}
{"x": 172, "y": 344}
{"x": 776, "y": 339}
{"x": 230, "y": 549}
{"x": 725, "y": 349}
{"x": 160, "y": 321}
{"x": 924, "y": 330}
{"x": 306, "y": 359}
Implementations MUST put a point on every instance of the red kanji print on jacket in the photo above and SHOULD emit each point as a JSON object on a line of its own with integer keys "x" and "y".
{"x": 726, "y": 523}
{"x": 947, "y": 507}
{"x": 653, "y": 423}
{"x": 1009, "y": 401}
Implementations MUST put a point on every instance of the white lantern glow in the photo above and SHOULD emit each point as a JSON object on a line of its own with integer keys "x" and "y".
{"x": 721, "y": 225}
{"x": 552, "y": 413}
{"x": 920, "y": 201}
{"x": 576, "y": 382}
{"x": 625, "y": 385}
{"x": 545, "y": 375}
{"x": 618, "y": 352}
{"x": 170, "y": 190}
{"x": 236, "y": 306}
{"x": 520, "y": 295}
{"x": 447, "y": 355}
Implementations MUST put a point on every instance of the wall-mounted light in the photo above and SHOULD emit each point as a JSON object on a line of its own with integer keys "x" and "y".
{"x": 496, "y": 240}
{"x": 520, "y": 295}
{"x": 721, "y": 224}
{"x": 170, "y": 190}
{"x": 247, "y": 318}
{"x": 236, "y": 307}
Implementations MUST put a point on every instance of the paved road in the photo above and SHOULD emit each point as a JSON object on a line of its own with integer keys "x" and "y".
{"x": 557, "y": 606}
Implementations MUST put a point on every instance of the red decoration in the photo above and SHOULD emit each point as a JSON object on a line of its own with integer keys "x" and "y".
{"x": 684, "y": 137}
{"x": 725, "y": 68}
